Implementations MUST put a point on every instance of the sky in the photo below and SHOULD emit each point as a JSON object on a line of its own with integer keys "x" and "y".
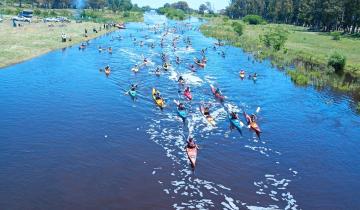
{"x": 217, "y": 4}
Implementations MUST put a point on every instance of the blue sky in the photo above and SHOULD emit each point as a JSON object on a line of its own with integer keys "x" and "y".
{"x": 217, "y": 4}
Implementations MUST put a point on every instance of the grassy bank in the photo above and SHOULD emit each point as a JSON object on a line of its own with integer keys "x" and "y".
{"x": 36, "y": 38}
{"x": 308, "y": 51}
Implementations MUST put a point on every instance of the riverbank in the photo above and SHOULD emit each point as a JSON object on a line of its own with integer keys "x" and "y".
{"x": 36, "y": 38}
{"x": 307, "y": 51}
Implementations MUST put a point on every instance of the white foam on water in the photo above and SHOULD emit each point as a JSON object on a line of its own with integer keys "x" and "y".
{"x": 276, "y": 190}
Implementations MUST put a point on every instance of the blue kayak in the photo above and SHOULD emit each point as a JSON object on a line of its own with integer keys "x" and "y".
{"x": 132, "y": 93}
{"x": 236, "y": 123}
{"x": 182, "y": 113}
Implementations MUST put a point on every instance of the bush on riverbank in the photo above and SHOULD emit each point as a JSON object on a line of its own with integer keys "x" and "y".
{"x": 238, "y": 28}
{"x": 172, "y": 13}
{"x": 298, "y": 78}
{"x": 337, "y": 61}
{"x": 275, "y": 38}
{"x": 254, "y": 20}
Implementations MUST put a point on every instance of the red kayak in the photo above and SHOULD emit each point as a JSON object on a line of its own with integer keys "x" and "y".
{"x": 188, "y": 95}
{"x": 253, "y": 125}
{"x": 202, "y": 65}
{"x": 192, "y": 154}
{"x": 217, "y": 95}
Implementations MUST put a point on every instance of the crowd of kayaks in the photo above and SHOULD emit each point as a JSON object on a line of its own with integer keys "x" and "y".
{"x": 191, "y": 148}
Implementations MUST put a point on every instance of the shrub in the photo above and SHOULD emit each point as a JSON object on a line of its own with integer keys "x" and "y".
{"x": 225, "y": 19}
{"x": 254, "y": 19}
{"x": 126, "y": 14}
{"x": 275, "y": 38}
{"x": 53, "y": 13}
{"x": 335, "y": 35}
{"x": 297, "y": 77}
{"x": 337, "y": 61}
{"x": 238, "y": 28}
{"x": 37, "y": 12}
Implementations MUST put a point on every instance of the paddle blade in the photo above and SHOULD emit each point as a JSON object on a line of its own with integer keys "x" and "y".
{"x": 258, "y": 110}
{"x": 241, "y": 124}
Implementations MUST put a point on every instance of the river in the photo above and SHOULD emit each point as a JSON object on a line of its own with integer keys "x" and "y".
{"x": 71, "y": 139}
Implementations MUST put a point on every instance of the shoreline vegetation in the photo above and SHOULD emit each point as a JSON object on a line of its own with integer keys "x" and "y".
{"x": 304, "y": 55}
{"x": 30, "y": 40}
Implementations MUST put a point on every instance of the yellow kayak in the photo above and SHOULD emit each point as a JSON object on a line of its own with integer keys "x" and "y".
{"x": 159, "y": 102}
{"x": 209, "y": 118}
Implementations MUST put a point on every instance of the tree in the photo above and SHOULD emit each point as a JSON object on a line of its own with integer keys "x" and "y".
{"x": 202, "y": 8}
{"x": 183, "y": 5}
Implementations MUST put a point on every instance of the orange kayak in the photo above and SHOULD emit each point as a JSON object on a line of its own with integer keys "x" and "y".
{"x": 192, "y": 154}
{"x": 253, "y": 125}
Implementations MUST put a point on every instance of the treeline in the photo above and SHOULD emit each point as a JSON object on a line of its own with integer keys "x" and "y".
{"x": 119, "y": 5}
{"x": 319, "y": 15}
{"x": 179, "y": 10}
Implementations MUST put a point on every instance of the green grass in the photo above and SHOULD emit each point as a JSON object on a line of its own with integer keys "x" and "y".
{"x": 36, "y": 38}
{"x": 309, "y": 51}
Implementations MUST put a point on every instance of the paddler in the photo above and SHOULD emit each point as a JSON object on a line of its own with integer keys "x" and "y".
{"x": 177, "y": 59}
{"x": 217, "y": 91}
{"x": 133, "y": 87}
{"x": 187, "y": 89}
{"x": 110, "y": 50}
{"x": 181, "y": 106}
{"x": 234, "y": 115}
{"x": 206, "y": 111}
{"x": 165, "y": 65}
{"x": 107, "y": 68}
{"x": 191, "y": 143}
{"x": 252, "y": 118}
{"x": 204, "y": 60}
{"x": 181, "y": 79}
{"x": 157, "y": 95}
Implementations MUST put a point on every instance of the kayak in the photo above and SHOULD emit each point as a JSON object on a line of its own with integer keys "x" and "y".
{"x": 188, "y": 95}
{"x": 217, "y": 95}
{"x": 107, "y": 71}
{"x": 159, "y": 102}
{"x": 209, "y": 118}
{"x": 181, "y": 82}
{"x": 166, "y": 67}
{"x": 254, "y": 126}
{"x": 181, "y": 113}
{"x": 192, "y": 154}
{"x": 236, "y": 123}
{"x": 202, "y": 65}
{"x": 135, "y": 69}
{"x": 157, "y": 73}
{"x": 242, "y": 75}
{"x": 132, "y": 93}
